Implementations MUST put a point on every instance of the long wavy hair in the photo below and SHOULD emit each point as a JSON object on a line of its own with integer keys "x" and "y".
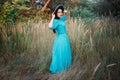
{"x": 56, "y": 17}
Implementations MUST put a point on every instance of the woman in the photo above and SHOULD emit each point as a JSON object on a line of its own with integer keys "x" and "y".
{"x": 61, "y": 52}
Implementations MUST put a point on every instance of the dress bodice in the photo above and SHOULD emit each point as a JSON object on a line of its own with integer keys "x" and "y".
{"x": 59, "y": 25}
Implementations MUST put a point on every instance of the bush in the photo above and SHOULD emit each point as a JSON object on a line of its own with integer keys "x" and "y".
{"x": 8, "y": 13}
{"x": 83, "y": 9}
{"x": 108, "y": 8}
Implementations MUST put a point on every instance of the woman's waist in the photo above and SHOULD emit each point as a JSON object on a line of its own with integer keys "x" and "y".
{"x": 62, "y": 33}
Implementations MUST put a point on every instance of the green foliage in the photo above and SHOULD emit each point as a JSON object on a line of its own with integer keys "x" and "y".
{"x": 11, "y": 13}
{"x": 8, "y": 13}
{"x": 53, "y": 3}
{"x": 98, "y": 7}
{"x": 102, "y": 7}
{"x": 83, "y": 9}
{"x": 42, "y": 15}
{"x": 20, "y": 1}
{"x": 21, "y": 4}
{"x": 115, "y": 7}
{"x": 108, "y": 8}
{"x": 82, "y": 12}
{"x": 18, "y": 10}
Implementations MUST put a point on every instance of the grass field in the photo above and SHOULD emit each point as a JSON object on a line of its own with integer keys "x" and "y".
{"x": 25, "y": 50}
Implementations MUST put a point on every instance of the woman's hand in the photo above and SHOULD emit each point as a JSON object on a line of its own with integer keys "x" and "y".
{"x": 51, "y": 21}
{"x": 53, "y": 15}
{"x": 65, "y": 11}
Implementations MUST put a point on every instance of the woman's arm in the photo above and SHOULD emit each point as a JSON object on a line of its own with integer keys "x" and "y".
{"x": 51, "y": 21}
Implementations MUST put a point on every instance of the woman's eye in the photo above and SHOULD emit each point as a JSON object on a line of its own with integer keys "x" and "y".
{"x": 59, "y": 12}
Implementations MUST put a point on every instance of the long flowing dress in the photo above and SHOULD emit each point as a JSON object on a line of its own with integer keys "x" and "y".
{"x": 61, "y": 51}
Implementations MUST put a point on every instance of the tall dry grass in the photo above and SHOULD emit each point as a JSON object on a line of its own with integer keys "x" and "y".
{"x": 95, "y": 49}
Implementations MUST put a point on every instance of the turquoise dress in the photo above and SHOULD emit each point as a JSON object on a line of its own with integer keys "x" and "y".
{"x": 61, "y": 51}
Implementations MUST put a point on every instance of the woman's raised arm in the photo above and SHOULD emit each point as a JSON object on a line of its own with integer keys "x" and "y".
{"x": 51, "y": 21}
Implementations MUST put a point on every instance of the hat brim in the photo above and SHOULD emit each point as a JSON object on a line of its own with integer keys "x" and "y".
{"x": 58, "y": 6}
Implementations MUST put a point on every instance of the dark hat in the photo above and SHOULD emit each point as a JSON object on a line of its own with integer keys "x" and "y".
{"x": 60, "y": 6}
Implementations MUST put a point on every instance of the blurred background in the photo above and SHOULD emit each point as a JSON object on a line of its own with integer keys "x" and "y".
{"x": 26, "y": 41}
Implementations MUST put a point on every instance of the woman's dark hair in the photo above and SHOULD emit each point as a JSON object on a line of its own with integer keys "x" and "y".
{"x": 61, "y": 7}
{"x": 55, "y": 12}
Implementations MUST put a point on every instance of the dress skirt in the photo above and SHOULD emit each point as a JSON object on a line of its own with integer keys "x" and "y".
{"x": 61, "y": 54}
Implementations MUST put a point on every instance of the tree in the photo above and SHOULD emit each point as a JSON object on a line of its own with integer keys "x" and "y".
{"x": 108, "y": 7}
{"x": 115, "y": 7}
{"x": 44, "y": 7}
{"x": 52, "y": 3}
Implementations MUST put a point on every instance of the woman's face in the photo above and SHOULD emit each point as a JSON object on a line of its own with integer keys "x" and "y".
{"x": 59, "y": 13}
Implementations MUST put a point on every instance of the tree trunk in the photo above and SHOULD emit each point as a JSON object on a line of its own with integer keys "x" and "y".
{"x": 48, "y": 1}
